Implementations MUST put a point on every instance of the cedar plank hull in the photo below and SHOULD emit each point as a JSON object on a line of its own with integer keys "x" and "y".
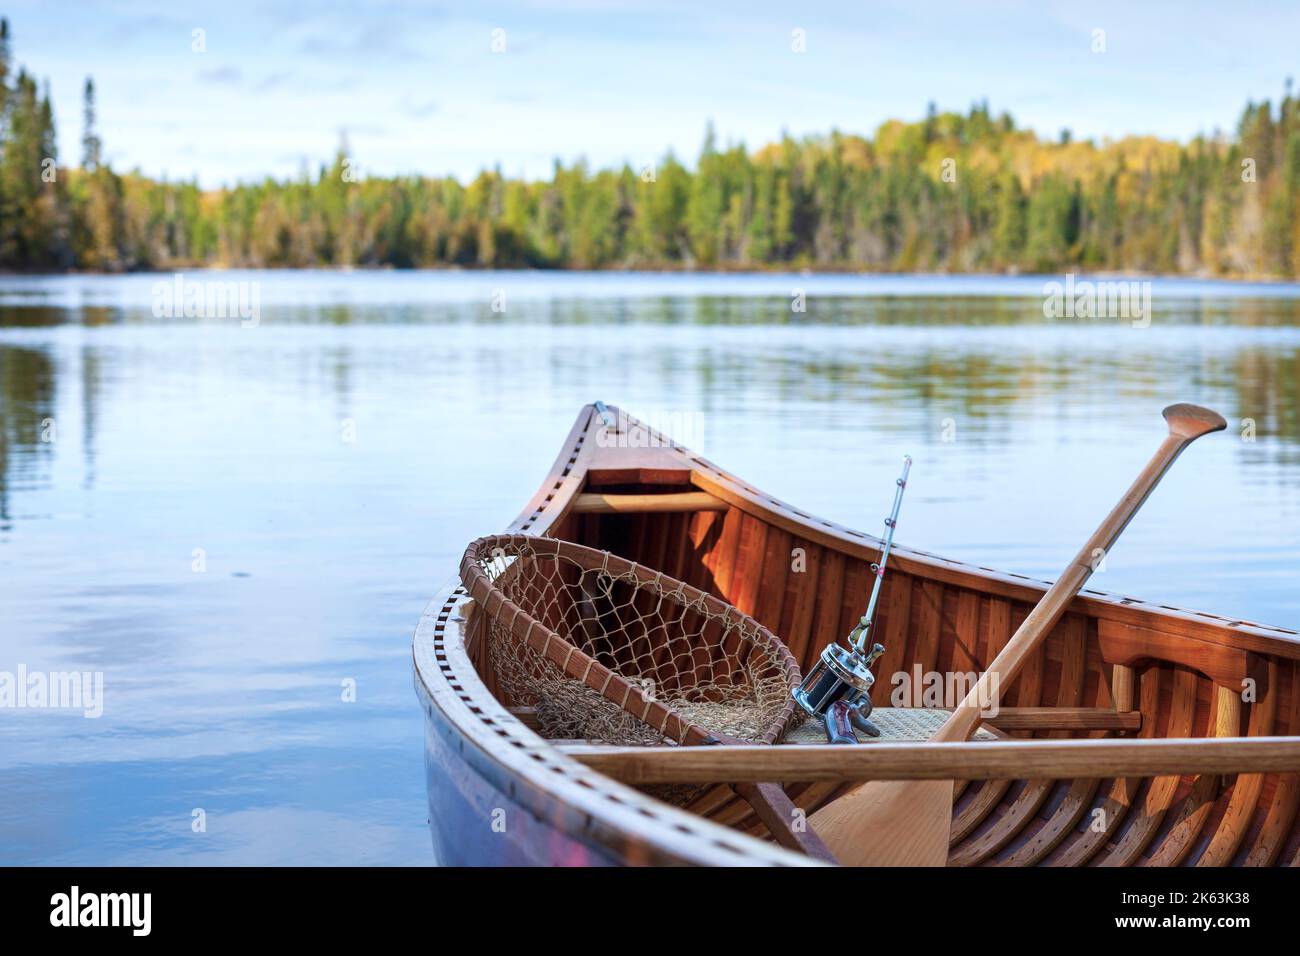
{"x": 1181, "y": 672}
{"x": 462, "y": 794}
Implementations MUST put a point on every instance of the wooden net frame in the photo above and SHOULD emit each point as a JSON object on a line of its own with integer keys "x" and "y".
{"x": 608, "y": 650}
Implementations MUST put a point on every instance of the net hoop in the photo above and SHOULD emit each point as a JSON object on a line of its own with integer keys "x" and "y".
{"x": 748, "y": 643}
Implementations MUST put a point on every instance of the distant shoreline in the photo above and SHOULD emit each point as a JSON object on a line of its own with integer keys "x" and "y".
{"x": 1107, "y": 275}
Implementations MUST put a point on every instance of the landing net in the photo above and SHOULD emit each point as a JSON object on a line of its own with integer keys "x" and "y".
{"x": 610, "y": 651}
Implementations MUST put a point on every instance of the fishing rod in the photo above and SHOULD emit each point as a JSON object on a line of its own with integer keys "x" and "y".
{"x": 837, "y": 689}
{"x": 858, "y": 636}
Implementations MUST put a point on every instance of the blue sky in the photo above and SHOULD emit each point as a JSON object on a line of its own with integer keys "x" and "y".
{"x": 418, "y": 88}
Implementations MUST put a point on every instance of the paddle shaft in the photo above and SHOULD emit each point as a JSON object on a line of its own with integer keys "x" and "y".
{"x": 966, "y": 717}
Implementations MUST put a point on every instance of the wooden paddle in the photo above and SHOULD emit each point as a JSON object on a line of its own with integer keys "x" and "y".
{"x": 907, "y": 822}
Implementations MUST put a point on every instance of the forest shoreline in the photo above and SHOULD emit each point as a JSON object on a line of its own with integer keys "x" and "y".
{"x": 951, "y": 194}
{"x": 672, "y": 270}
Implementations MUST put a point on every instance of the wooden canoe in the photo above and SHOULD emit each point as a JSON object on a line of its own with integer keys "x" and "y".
{"x": 1140, "y": 735}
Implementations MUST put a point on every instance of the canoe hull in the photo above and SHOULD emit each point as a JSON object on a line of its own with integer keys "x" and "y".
{"x": 1113, "y": 666}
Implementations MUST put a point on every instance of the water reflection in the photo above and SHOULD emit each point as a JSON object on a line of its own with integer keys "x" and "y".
{"x": 26, "y": 401}
{"x": 176, "y": 437}
{"x": 343, "y": 298}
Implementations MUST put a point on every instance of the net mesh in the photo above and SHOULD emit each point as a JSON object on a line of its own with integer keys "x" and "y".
{"x": 610, "y": 651}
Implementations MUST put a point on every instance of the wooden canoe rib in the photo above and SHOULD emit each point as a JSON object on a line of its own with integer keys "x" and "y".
{"x": 1130, "y": 724}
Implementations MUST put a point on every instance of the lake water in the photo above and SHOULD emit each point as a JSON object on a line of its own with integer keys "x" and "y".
{"x": 236, "y": 524}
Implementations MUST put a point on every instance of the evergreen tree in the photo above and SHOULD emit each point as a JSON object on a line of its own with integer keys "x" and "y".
{"x": 90, "y": 144}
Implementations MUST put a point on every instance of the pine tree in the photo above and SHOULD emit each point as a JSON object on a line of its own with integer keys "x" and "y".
{"x": 707, "y": 202}
{"x": 1009, "y": 223}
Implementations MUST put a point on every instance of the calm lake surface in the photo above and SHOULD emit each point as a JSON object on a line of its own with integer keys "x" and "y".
{"x": 323, "y": 470}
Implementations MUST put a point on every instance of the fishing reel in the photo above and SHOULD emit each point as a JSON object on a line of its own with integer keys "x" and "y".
{"x": 837, "y": 691}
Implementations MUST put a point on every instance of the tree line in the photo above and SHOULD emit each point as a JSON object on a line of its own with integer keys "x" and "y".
{"x": 953, "y": 192}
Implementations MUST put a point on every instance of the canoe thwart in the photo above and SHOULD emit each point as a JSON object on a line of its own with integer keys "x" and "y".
{"x": 1087, "y": 758}
{"x": 685, "y": 501}
{"x": 1065, "y": 718}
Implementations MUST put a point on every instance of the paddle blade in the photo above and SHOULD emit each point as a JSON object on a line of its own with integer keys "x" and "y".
{"x": 889, "y": 823}
{"x": 1193, "y": 421}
